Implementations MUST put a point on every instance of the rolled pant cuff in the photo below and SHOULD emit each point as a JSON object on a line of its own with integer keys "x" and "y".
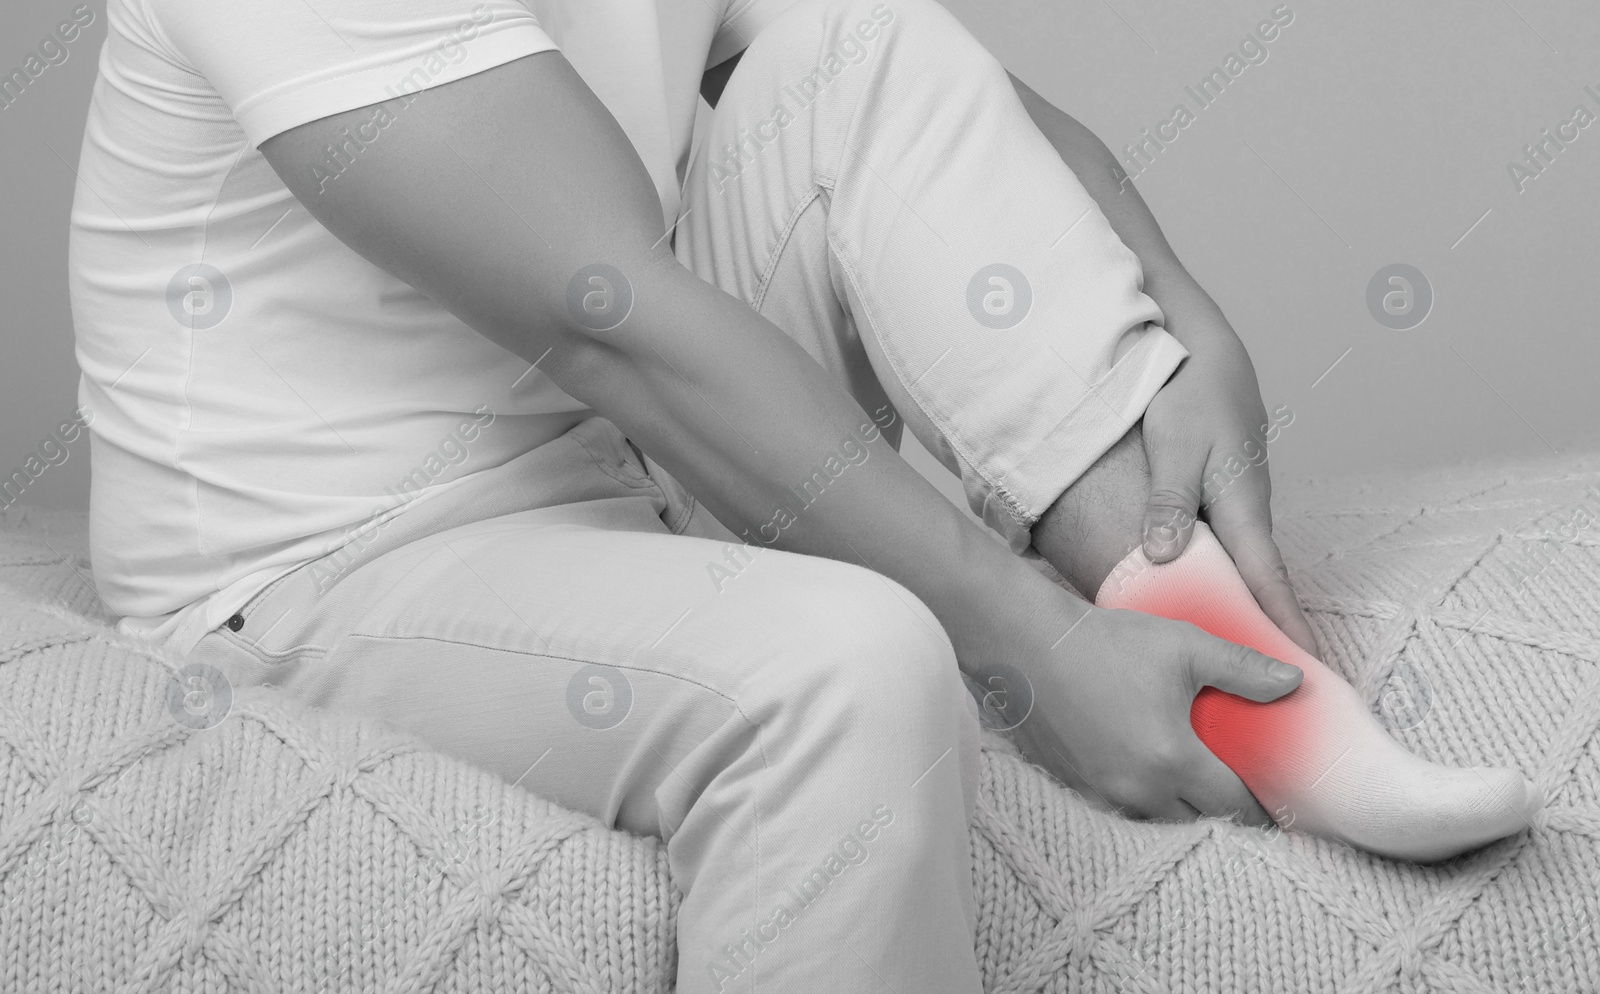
{"x": 1099, "y": 419}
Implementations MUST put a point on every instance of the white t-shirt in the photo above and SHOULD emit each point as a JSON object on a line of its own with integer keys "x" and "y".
{"x": 259, "y": 390}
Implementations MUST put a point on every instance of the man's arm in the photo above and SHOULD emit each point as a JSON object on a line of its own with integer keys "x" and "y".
{"x": 1210, "y": 410}
{"x": 496, "y": 194}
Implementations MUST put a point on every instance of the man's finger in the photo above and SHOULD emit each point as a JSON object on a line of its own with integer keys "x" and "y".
{"x": 1175, "y": 472}
{"x": 1217, "y": 791}
{"x": 1240, "y": 670}
{"x": 1246, "y": 532}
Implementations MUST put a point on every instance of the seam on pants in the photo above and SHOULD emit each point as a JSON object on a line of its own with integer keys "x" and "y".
{"x": 761, "y": 747}
{"x": 585, "y": 660}
{"x": 825, "y": 184}
{"x": 688, "y": 515}
{"x": 632, "y": 480}
{"x": 297, "y": 653}
{"x": 785, "y": 234}
{"x": 819, "y": 184}
{"x": 1013, "y": 505}
{"x": 302, "y": 650}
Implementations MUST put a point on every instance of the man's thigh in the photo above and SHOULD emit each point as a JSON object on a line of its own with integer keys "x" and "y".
{"x": 587, "y": 654}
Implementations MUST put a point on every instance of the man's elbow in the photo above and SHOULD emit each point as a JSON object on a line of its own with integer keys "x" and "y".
{"x": 597, "y": 324}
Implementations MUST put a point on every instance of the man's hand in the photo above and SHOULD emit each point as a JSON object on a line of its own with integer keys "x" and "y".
{"x": 1206, "y": 434}
{"x": 1110, "y": 715}
{"x": 1209, "y": 411}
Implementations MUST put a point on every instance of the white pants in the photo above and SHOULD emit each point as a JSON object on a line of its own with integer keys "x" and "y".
{"x": 794, "y": 728}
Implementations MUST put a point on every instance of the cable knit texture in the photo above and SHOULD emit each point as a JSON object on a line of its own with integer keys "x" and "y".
{"x": 286, "y": 850}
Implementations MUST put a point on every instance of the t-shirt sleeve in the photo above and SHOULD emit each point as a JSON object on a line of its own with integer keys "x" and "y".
{"x": 279, "y": 64}
{"x": 741, "y": 22}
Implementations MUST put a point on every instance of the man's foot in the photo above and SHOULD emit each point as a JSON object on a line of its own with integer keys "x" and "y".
{"x": 1317, "y": 759}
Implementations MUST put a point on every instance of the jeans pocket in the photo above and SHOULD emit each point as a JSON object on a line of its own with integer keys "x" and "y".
{"x": 680, "y": 511}
{"x": 678, "y": 505}
{"x": 234, "y": 650}
{"x": 265, "y": 629}
{"x": 684, "y": 514}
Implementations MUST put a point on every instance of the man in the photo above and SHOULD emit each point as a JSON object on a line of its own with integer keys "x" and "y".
{"x": 434, "y": 381}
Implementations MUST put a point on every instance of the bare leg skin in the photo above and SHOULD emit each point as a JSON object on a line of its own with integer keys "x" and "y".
{"x": 1316, "y": 759}
{"x": 1100, "y": 519}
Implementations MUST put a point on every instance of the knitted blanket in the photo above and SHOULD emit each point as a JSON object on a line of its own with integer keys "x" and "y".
{"x": 143, "y": 848}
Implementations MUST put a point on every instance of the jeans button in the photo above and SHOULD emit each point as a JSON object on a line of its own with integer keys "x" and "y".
{"x": 236, "y": 622}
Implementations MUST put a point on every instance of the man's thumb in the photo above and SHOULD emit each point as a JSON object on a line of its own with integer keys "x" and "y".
{"x": 1170, "y": 512}
{"x": 1243, "y": 671}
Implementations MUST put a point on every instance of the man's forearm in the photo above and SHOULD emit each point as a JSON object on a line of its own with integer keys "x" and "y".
{"x": 516, "y": 201}
{"x": 787, "y": 460}
{"x": 1190, "y": 312}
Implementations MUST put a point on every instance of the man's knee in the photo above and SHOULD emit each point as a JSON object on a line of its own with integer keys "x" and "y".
{"x": 874, "y": 652}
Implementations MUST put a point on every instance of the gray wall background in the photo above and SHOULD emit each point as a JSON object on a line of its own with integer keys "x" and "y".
{"x": 1374, "y": 133}
{"x": 40, "y": 134}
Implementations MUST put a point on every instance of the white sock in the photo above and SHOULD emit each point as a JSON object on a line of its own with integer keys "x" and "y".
{"x": 1317, "y": 759}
